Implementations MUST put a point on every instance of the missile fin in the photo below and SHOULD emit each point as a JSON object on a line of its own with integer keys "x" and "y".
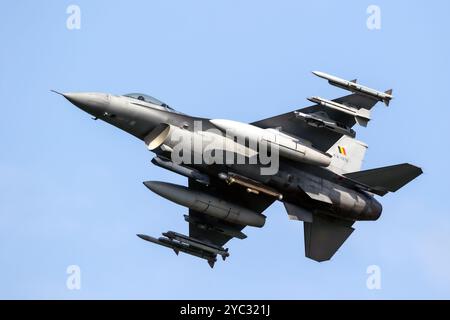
{"x": 387, "y": 100}
{"x": 361, "y": 121}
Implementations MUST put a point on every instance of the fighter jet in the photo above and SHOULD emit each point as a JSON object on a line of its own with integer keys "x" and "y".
{"x": 308, "y": 158}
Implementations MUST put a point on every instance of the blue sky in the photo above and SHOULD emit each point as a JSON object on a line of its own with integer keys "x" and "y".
{"x": 70, "y": 187}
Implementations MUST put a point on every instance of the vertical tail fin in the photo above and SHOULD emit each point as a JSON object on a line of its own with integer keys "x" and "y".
{"x": 348, "y": 155}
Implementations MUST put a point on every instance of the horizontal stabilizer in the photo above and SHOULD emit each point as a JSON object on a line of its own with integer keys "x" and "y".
{"x": 324, "y": 236}
{"x": 386, "y": 179}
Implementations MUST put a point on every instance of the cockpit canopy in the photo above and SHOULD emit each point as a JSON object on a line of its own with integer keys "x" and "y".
{"x": 149, "y": 99}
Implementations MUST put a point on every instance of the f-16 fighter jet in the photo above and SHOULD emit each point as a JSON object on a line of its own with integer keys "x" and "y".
{"x": 308, "y": 159}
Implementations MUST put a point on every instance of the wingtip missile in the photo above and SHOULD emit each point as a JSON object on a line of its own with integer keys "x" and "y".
{"x": 354, "y": 87}
{"x": 320, "y": 74}
{"x": 388, "y": 97}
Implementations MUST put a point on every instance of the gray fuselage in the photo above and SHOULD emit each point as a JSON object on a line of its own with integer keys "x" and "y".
{"x": 314, "y": 188}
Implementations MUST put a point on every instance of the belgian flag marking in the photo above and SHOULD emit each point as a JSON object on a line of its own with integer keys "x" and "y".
{"x": 342, "y": 150}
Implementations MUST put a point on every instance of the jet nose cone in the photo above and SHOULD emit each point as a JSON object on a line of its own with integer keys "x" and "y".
{"x": 93, "y": 103}
{"x": 78, "y": 98}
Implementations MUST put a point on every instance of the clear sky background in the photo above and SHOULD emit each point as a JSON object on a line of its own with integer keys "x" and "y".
{"x": 71, "y": 188}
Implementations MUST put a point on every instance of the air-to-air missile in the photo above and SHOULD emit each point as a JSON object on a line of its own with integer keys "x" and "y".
{"x": 362, "y": 116}
{"x": 192, "y": 249}
{"x": 288, "y": 147}
{"x": 206, "y": 204}
{"x": 356, "y": 88}
{"x": 197, "y": 243}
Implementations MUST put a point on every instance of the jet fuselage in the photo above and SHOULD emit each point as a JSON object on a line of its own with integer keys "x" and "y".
{"x": 314, "y": 188}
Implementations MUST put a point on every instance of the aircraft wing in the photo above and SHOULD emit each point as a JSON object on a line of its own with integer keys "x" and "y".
{"x": 320, "y": 136}
{"x": 220, "y": 232}
{"x": 207, "y": 234}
